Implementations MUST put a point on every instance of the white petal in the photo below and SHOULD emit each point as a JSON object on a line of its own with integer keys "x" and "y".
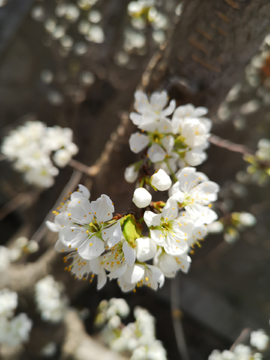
{"x": 146, "y": 249}
{"x": 60, "y": 247}
{"x": 102, "y": 279}
{"x": 170, "y": 210}
{"x": 203, "y": 213}
{"x": 141, "y": 101}
{"x": 156, "y": 153}
{"x": 118, "y": 272}
{"x": 80, "y": 210}
{"x": 130, "y": 253}
{"x": 138, "y": 142}
{"x": 81, "y": 192}
{"x": 134, "y": 274}
{"x": 195, "y": 157}
{"x": 136, "y": 118}
{"x": 112, "y": 234}
{"x": 170, "y": 109}
{"x": 151, "y": 219}
{"x": 52, "y": 226}
{"x": 173, "y": 247}
{"x": 102, "y": 208}
{"x": 157, "y": 237}
{"x": 200, "y": 111}
{"x": 158, "y": 100}
{"x": 73, "y": 236}
{"x": 168, "y": 143}
{"x": 157, "y": 275}
{"x": 91, "y": 248}
{"x": 167, "y": 263}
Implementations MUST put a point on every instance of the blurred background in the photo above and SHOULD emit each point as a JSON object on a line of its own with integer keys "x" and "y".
{"x": 77, "y": 64}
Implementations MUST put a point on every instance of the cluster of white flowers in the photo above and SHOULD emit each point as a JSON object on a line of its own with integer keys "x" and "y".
{"x": 137, "y": 339}
{"x": 259, "y": 169}
{"x": 171, "y": 143}
{"x": 50, "y": 299}
{"x": 14, "y": 330}
{"x": 232, "y": 224}
{"x": 100, "y": 243}
{"x": 258, "y": 339}
{"x": 30, "y": 147}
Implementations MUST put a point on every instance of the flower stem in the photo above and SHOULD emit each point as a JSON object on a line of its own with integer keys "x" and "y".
{"x": 170, "y": 169}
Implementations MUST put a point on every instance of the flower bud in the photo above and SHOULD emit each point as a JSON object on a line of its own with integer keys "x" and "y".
{"x": 247, "y": 219}
{"x": 161, "y": 181}
{"x": 146, "y": 249}
{"x": 131, "y": 174}
{"x": 141, "y": 198}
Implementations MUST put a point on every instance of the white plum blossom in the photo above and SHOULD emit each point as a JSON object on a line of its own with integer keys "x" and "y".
{"x": 151, "y": 110}
{"x": 188, "y": 112}
{"x": 160, "y": 148}
{"x": 142, "y": 198}
{"x": 171, "y": 144}
{"x": 119, "y": 258}
{"x": 139, "y": 275}
{"x": 168, "y": 230}
{"x": 195, "y": 193}
{"x": 87, "y": 226}
{"x": 171, "y": 264}
{"x": 259, "y": 339}
{"x": 161, "y": 181}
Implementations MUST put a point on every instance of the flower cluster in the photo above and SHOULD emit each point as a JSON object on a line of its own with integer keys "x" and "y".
{"x": 21, "y": 245}
{"x": 259, "y": 169}
{"x": 258, "y": 339}
{"x": 99, "y": 243}
{"x": 154, "y": 241}
{"x": 169, "y": 143}
{"x": 14, "y": 330}
{"x": 137, "y": 339}
{"x": 51, "y": 302}
{"x": 30, "y": 147}
{"x": 232, "y": 224}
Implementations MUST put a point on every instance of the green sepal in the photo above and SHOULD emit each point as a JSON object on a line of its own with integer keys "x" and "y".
{"x": 131, "y": 230}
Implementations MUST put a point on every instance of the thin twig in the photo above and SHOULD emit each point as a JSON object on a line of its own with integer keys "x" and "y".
{"x": 242, "y": 338}
{"x": 176, "y": 319}
{"x": 21, "y": 199}
{"x": 80, "y": 166}
{"x": 229, "y": 145}
{"x": 70, "y": 186}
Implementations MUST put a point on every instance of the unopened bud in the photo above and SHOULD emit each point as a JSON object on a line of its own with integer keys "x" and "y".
{"x": 141, "y": 198}
{"x": 161, "y": 181}
{"x": 131, "y": 174}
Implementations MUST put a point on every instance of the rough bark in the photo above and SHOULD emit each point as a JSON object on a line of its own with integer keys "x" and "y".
{"x": 210, "y": 47}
